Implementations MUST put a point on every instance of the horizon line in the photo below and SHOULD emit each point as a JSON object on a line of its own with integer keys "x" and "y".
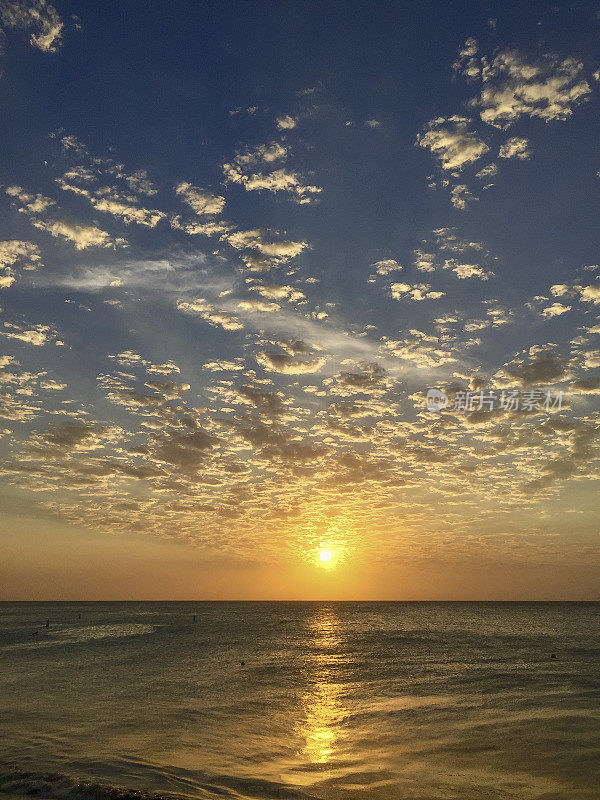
{"x": 291, "y": 600}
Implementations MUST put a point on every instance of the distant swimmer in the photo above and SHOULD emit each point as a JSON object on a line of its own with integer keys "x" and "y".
{"x": 243, "y": 663}
{"x": 194, "y": 618}
{"x": 553, "y": 655}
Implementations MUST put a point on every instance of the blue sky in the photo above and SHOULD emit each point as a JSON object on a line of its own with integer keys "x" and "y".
{"x": 240, "y": 241}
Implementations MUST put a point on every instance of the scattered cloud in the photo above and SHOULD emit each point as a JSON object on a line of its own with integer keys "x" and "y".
{"x": 515, "y": 86}
{"x": 515, "y": 147}
{"x": 211, "y": 314}
{"x": 253, "y": 169}
{"x": 287, "y": 364}
{"x": 555, "y": 310}
{"x": 385, "y": 266}
{"x": 461, "y": 197}
{"x": 36, "y": 335}
{"x": 201, "y": 202}
{"x": 414, "y": 291}
{"x": 17, "y": 253}
{"x": 80, "y": 234}
{"x": 36, "y": 15}
{"x": 286, "y": 122}
{"x": 452, "y": 142}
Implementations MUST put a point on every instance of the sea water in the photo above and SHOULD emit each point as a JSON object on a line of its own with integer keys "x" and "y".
{"x": 427, "y": 701}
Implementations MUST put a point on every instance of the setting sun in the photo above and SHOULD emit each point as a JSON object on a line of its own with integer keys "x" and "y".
{"x": 325, "y": 556}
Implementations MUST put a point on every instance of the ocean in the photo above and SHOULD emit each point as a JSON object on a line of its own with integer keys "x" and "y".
{"x": 377, "y": 701}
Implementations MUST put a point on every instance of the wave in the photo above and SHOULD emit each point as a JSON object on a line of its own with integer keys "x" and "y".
{"x": 63, "y": 787}
{"x": 59, "y": 786}
{"x": 41, "y": 637}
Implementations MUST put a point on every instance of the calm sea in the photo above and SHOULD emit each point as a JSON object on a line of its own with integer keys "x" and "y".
{"x": 427, "y": 701}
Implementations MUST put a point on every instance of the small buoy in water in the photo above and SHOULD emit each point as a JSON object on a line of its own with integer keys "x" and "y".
{"x": 47, "y": 623}
{"x": 553, "y": 655}
{"x": 243, "y": 663}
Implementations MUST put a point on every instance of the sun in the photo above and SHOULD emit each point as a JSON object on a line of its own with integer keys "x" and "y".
{"x": 325, "y": 556}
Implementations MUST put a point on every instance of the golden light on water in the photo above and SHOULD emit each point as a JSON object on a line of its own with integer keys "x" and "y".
{"x": 322, "y": 709}
{"x": 325, "y": 556}
{"x": 322, "y": 705}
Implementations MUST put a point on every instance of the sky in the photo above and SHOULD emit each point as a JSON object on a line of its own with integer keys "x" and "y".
{"x": 239, "y": 242}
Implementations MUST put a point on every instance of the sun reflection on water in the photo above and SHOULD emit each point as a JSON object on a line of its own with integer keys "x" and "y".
{"x": 322, "y": 706}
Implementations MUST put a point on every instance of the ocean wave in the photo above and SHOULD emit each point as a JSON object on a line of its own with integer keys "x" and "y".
{"x": 76, "y": 635}
{"x": 59, "y": 786}
{"x": 63, "y": 787}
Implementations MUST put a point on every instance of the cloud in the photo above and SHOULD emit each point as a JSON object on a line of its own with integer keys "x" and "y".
{"x": 444, "y": 242}
{"x": 588, "y": 385}
{"x": 268, "y": 403}
{"x": 587, "y": 294}
{"x": 71, "y": 144}
{"x": 591, "y": 294}
{"x": 72, "y": 436}
{"x": 211, "y": 314}
{"x": 422, "y": 349}
{"x": 30, "y": 203}
{"x": 515, "y": 147}
{"x": 513, "y": 86}
{"x": 414, "y": 291}
{"x": 272, "y": 291}
{"x": 82, "y": 236}
{"x": 110, "y": 200}
{"x": 279, "y": 180}
{"x": 541, "y": 365}
{"x": 368, "y": 377}
{"x": 254, "y": 304}
{"x": 467, "y": 270}
{"x": 170, "y": 390}
{"x": 242, "y": 170}
{"x": 161, "y": 276}
{"x": 14, "y": 252}
{"x": 139, "y": 182}
{"x": 466, "y": 63}
{"x": 287, "y": 364}
{"x": 187, "y": 451}
{"x": 224, "y": 366}
{"x": 487, "y": 172}
{"x": 274, "y": 252}
{"x": 296, "y": 347}
{"x": 385, "y": 266}
{"x": 460, "y": 196}
{"x": 37, "y": 15}
{"x": 128, "y": 358}
{"x": 200, "y": 227}
{"x": 286, "y": 122}
{"x": 36, "y": 335}
{"x": 201, "y": 202}
{"x": 24, "y": 394}
{"x": 555, "y": 310}
{"x": 452, "y": 142}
